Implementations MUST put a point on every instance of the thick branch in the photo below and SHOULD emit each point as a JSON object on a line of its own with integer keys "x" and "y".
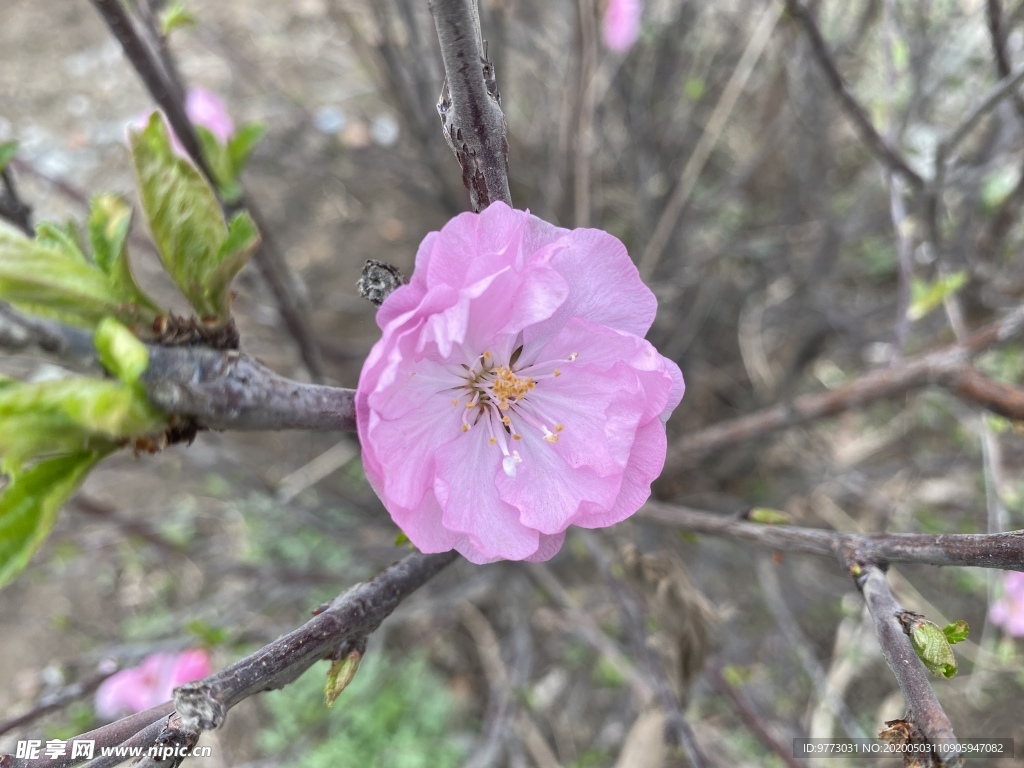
{"x": 472, "y": 120}
{"x": 925, "y": 710}
{"x": 947, "y": 367}
{"x": 220, "y": 390}
{"x": 203, "y": 705}
{"x": 983, "y": 550}
{"x": 234, "y": 391}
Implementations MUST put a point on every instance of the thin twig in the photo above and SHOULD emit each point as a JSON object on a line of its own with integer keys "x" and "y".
{"x": 1005, "y": 87}
{"x": 586, "y": 14}
{"x": 203, "y": 705}
{"x": 473, "y": 122}
{"x": 12, "y": 207}
{"x": 997, "y": 33}
{"x": 676, "y": 723}
{"x": 708, "y": 139}
{"x": 56, "y": 700}
{"x": 869, "y": 135}
{"x": 983, "y": 550}
{"x": 752, "y": 719}
{"x": 947, "y": 367}
{"x": 797, "y": 641}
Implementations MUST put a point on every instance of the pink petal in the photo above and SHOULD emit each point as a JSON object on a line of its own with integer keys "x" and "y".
{"x": 646, "y": 461}
{"x": 206, "y": 108}
{"x": 466, "y": 470}
{"x": 152, "y": 682}
{"x": 547, "y": 492}
{"x": 549, "y": 546}
{"x": 605, "y": 286}
{"x": 493, "y": 237}
{"x": 189, "y": 666}
{"x": 621, "y": 25}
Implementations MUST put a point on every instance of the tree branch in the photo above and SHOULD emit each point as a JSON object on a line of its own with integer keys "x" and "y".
{"x": 228, "y": 390}
{"x": 220, "y": 390}
{"x": 947, "y": 367}
{"x": 155, "y": 74}
{"x": 203, "y": 705}
{"x": 983, "y": 550}
{"x": 868, "y": 134}
{"x": 925, "y": 710}
{"x": 473, "y": 122}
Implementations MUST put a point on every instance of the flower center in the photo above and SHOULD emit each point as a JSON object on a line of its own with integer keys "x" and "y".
{"x": 496, "y": 398}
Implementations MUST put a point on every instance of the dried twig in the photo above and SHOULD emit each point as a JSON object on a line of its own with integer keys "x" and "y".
{"x": 947, "y": 367}
{"x": 889, "y": 156}
{"x": 752, "y": 719}
{"x": 203, "y": 705}
{"x": 56, "y": 700}
{"x": 983, "y": 550}
{"x": 709, "y": 138}
{"x": 676, "y": 723}
{"x": 12, "y": 207}
{"x": 472, "y": 119}
{"x": 775, "y": 600}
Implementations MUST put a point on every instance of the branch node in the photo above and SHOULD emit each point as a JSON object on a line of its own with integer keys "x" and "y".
{"x": 380, "y": 279}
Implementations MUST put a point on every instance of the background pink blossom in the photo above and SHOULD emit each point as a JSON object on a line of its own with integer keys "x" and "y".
{"x": 621, "y": 23}
{"x": 150, "y": 683}
{"x": 204, "y": 108}
{"x": 1008, "y": 611}
{"x": 512, "y": 393}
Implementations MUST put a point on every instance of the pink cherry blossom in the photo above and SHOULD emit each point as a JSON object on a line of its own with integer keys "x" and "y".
{"x": 1008, "y": 611}
{"x": 206, "y": 108}
{"x": 512, "y": 393}
{"x": 150, "y": 683}
{"x": 621, "y": 23}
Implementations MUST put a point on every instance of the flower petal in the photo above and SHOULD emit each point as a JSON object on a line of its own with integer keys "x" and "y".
{"x": 465, "y": 489}
{"x": 645, "y": 464}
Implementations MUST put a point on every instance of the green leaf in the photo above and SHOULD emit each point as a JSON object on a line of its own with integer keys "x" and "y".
{"x": 48, "y": 279}
{"x": 8, "y": 150}
{"x": 218, "y": 159}
{"x": 65, "y": 238}
{"x": 69, "y": 415}
{"x": 956, "y": 632}
{"x": 242, "y": 241}
{"x": 176, "y": 16}
{"x": 208, "y": 634}
{"x": 110, "y": 220}
{"x": 30, "y": 503}
{"x": 768, "y": 516}
{"x": 120, "y": 351}
{"x": 340, "y": 676}
{"x": 241, "y": 145}
{"x": 925, "y": 296}
{"x": 932, "y": 647}
{"x": 184, "y": 217}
